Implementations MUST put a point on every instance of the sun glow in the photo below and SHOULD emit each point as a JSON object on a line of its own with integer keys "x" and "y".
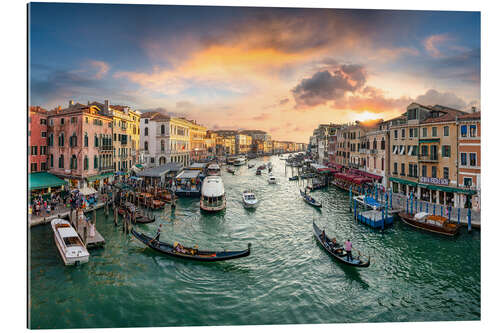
{"x": 365, "y": 115}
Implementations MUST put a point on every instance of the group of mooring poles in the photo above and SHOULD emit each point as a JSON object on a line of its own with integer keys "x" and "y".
{"x": 412, "y": 202}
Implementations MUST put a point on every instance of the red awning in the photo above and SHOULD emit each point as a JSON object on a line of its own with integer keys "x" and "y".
{"x": 370, "y": 175}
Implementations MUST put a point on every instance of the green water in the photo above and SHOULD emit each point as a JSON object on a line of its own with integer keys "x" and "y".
{"x": 287, "y": 279}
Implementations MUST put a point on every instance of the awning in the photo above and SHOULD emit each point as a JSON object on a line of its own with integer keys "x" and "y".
{"x": 450, "y": 189}
{"x": 402, "y": 181}
{"x": 428, "y": 140}
{"x": 41, "y": 180}
{"x": 101, "y": 176}
{"x": 140, "y": 166}
{"x": 370, "y": 175}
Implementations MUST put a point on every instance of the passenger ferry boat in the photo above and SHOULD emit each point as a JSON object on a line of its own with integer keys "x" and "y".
{"x": 68, "y": 243}
{"x": 213, "y": 169}
{"x": 187, "y": 183}
{"x": 213, "y": 197}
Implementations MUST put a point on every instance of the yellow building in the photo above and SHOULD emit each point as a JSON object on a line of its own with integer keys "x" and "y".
{"x": 197, "y": 135}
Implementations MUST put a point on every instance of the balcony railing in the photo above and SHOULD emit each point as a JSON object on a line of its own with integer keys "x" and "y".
{"x": 428, "y": 158}
{"x": 106, "y": 168}
{"x": 103, "y": 148}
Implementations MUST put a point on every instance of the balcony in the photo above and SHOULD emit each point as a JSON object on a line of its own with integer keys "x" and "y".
{"x": 106, "y": 168}
{"x": 105, "y": 148}
{"x": 428, "y": 158}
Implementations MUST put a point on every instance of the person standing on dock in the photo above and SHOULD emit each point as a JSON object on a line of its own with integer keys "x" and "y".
{"x": 348, "y": 249}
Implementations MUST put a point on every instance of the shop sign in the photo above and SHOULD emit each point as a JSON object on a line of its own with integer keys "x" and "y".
{"x": 435, "y": 181}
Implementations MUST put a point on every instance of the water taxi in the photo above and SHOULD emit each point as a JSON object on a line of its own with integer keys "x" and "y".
{"x": 213, "y": 197}
{"x": 68, "y": 243}
{"x": 271, "y": 179}
{"x": 241, "y": 160}
{"x": 432, "y": 223}
{"x": 249, "y": 199}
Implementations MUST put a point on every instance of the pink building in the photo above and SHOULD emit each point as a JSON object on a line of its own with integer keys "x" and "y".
{"x": 80, "y": 145}
{"x": 37, "y": 139}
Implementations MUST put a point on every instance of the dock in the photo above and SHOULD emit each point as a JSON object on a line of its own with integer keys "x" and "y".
{"x": 375, "y": 219}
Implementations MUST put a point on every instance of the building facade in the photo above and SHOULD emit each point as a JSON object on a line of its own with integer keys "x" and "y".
{"x": 37, "y": 139}
{"x": 80, "y": 145}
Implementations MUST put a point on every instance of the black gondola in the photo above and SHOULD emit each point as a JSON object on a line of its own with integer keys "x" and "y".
{"x": 129, "y": 208}
{"x": 337, "y": 251}
{"x": 310, "y": 200}
{"x": 294, "y": 178}
{"x": 190, "y": 253}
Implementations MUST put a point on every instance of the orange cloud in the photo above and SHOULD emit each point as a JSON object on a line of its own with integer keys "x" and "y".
{"x": 431, "y": 44}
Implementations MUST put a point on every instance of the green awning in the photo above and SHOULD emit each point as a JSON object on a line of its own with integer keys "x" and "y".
{"x": 41, "y": 180}
{"x": 140, "y": 166}
{"x": 101, "y": 176}
{"x": 450, "y": 189}
{"x": 428, "y": 140}
{"x": 402, "y": 181}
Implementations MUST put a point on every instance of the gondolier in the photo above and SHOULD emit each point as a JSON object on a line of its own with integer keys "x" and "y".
{"x": 158, "y": 232}
{"x": 348, "y": 249}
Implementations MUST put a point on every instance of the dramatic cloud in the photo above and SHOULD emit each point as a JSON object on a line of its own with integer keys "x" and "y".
{"x": 432, "y": 97}
{"x": 326, "y": 86}
{"x": 433, "y": 43}
{"x": 373, "y": 100}
{"x": 284, "y": 101}
{"x": 101, "y": 67}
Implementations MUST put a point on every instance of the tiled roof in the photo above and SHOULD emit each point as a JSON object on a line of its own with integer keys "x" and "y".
{"x": 449, "y": 115}
{"x": 148, "y": 114}
{"x": 470, "y": 116}
{"x": 37, "y": 109}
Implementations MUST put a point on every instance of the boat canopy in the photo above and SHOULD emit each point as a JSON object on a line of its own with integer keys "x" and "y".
{"x": 188, "y": 174}
{"x": 67, "y": 232}
{"x": 421, "y": 215}
{"x": 212, "y": 187}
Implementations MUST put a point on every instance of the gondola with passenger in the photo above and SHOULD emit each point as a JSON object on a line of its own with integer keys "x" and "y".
{"x": 310, "y": 200}
{"x": 183, "y": 252}
{"x": 337, "y": 251}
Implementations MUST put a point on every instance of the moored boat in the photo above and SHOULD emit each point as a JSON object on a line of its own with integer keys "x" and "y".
{"x": 68, "y": 243}
{"x": 337, "y": 251}
{"x": 293, "y": 178}
{"x": 182, "y": 252}
{"x": 249, "y": 199}
{"x": 432, "y": 223}
{"x": 213, "y": 169}
{"x": 213, "y": 197}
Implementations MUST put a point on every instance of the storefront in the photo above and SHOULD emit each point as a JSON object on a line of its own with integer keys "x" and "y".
{"x": 44, "y": 184}
{"x": 98, "y": 181}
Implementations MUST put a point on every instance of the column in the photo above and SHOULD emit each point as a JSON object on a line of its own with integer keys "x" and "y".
{"x": 418, "y": 193}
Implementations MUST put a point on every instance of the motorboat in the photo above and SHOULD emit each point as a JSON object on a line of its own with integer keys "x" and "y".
{"x": 431, "y": 223}
{"x": 213, "y": 169}
{"x": 231, "y": 170}
{"x": 249, "y": 199}
{"x": 258, "y": 172}
{"x": 213, "y": 197}
{"x": 68, "y": 243}
{"x": 240, "y": 161}
{"x": 271, "y": 179}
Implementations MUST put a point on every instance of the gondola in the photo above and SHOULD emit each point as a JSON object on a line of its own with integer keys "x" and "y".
{"x": 310, "y": 200}
{"x": 190, "y": 253}
{"x": 294, "y": 178}
{"x": 337, "y": 251}
{"x": 129, "y": 208}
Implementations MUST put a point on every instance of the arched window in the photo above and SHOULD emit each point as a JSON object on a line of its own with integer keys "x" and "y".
{"x": 162, "y": 145}
{"x": 86, "y": 163}
{"x": 146, "y": 146}
{"x": 162, "y": 129}
{"x": 51, "y": 139}
{"x": 96, "y": 162}
{"x": 61, "y": 162}
{"x": 61, "y": 139}
{"x": 86, "y": 140}
{"x": 96, "y": 141}
{"x": 146, "y": 131}
{"x": 374, "y": 143}
{"x": 73, "y": 162}
{"x": 51, "y": 160}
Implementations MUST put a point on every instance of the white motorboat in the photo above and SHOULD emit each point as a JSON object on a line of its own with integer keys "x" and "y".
{"x": 68, "y": 243}
{"x": 271, "y": 179}
{"x": 241, "y": 160}
{"x": 213, "y": 169}
{"x": 213, "y": 196}
{"x": 249, "y": 199}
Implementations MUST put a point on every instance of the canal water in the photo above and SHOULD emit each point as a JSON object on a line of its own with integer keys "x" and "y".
{"x": 287, "y": 279}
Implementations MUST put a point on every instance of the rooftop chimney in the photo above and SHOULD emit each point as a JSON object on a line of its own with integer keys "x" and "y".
{"x": 106, "y": 105}
{"x": 70, "y": 103}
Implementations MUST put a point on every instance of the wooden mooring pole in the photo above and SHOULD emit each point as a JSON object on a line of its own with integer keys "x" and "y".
{"x": 115, "y": 212}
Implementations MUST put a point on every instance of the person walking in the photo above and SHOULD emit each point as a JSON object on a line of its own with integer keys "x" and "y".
{"x": 348, "y": 249}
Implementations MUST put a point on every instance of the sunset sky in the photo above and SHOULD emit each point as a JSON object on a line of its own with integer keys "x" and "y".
{"x": 280, "y": 70}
